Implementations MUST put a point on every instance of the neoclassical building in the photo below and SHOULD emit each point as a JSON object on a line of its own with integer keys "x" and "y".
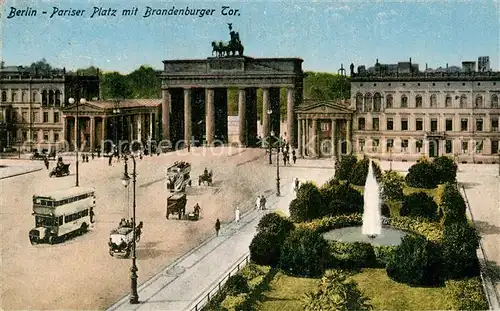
{"x": 403, "y": 113}
{"x": 31, "y": 104}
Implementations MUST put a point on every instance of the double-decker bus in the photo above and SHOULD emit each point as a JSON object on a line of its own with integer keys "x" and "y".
{"x": 61, "y": 213}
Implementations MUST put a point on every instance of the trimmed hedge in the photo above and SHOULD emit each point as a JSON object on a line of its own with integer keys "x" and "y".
{"x": 392, "y": 186}
{"x": 453, "y": 205}
{"x": 384, "y": 253}
{"x": 351, "y": 169}
{"x": 427, "y": 174}
{"x": 460, "y": 244}
{"x": 328, "y": 223}
{"x": 308, "y": 205}
{"x": 347, "y": 255}
{"x": 466, "y": 294}
{"x": 431, "y": 230}
{"x": 341, "y": 199}
{"x": 419, "y": 204}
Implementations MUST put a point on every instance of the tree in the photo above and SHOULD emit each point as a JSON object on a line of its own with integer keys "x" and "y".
{"x": 446, "y": 169}
{"x": 275, "y": 224}
{"x": 422, "y": 175}
{"x": 341, "y": 199}
{"x": 308, "y": 205}
{"x": 304, "y": 253}
{"x": 460, "y": 242}
{"x": 41, "y": 67}
{"x": 336, "y": 293}
{"x": 392, "y": 186}
{"x": 265, "y": 249}
{"x": 416, "y": 261}
{"x": 453, "y": 205}
{"x": 144, "y": 83}
{"x": 344, "y": 167}
{"x": 89, "y": 71}
{"x": 419, "y": 204}
{"x": 326, "y": 86}
{"x": 114, "y": 86}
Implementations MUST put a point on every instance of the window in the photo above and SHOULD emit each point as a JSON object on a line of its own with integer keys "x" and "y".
{"x": 494, "y": 101}
{"x": 404, "y": 101}
{"x": 25, "y": 135}
{"x": 56, "y": 117}
{"x": 433, "y": 100}
{"x": 58, "y": 98}
{"x": 389, "y": 101}
{"x": 56, "y": 137}
{"x": 45, "y": 136}
{"x": 13, "y": 116}
{"x": 45, "y": 117}
{"x": 419, "y": 125}
{"x": 447, "y": 102}
{"x": 463, "y": 101}
{"x": 368, "y": 102}
{"x": 13, "y": 97}
{"x": 418, "y": 145}
{"x": 376, "y": 125}
{"x": 418, "y": 101}
{"x": 479, "y": 101}
{"x": 25, "y": 116}
{"x": 404, "y": 124}
{"x": 404, "y": 145}
{"x": 4, "y": 96}
{"x": 361, "y": 145}
{"x": 376, "y": 144}
{"x": 361, "y": 124}
{"x": 389, "y": 145}
{"x": 494, "y": 147}
{"x": 390, "y": 124}
{"x": 494, "y": 124}
{"x": 465, "y": 147}
{"x": 324, "y": 126}
{"x": 35, "y": 116}
{"x": 449, "y": 124}
{"x": 359, "y": 102}
{"x": 464, "y": 127}
{"x": 377, "y": 102}
{"x": 448, "y": 146}
{"x": 434, "y": 125}
{"x": 44, "y": 98}
{"x": 35, "y": 97}
{"x": 479, "y": 125}
{"x": 479, "y": 146}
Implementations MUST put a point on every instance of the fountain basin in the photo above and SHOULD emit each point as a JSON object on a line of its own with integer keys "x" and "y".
{"x": 389, "y": 236}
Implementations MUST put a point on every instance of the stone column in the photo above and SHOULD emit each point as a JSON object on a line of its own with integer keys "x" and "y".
{"x": 304, "y": 137}
{"x": 299, "y": 137}
{"x": 76, "y": 132}
{"x": 187, "y": 117}
{"x": 139, "y": 127}
{"x": 315, "y": 137}
{"x": 290, "y": 96}
{"x": 241, "y": 113}
{"x": 92, "y": 134}
{"x": 265, "y": 116}
{"x": 165, "y": 114}
{"x": 103, "y": 130}
{"x": 334, "y": 136}
{"x": 348, "y": 136}
{"x": 210, "y": 116}
{"x": 151, "y": 126}
{"x": 64, "y": 124}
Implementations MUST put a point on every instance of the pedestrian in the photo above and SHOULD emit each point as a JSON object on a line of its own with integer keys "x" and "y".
{"x": 140, "y": 156}
{"x": 263, "y": 202}
{"x": 92, "y": 155}
{"x": 92, "y": 215}
{"x": 294, "y": 156}
{"x": 98, "y": 153}
{"x": 284, "y": 159}
{"x": 110, "y": 160}
{"x": 83, "y": 157}
{"x": 87, "y": 158}
{"x": 46, "y": 161}
{"x": 257, "y": 204}
{"x": 217, "y": 227}
{"x": 237, "y": 215}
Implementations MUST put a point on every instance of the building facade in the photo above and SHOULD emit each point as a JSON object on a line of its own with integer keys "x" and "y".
{"x": 31, "y": 105}
{"x": 402, "y": 113}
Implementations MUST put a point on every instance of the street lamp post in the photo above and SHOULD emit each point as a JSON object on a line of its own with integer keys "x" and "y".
{"x": 71, "y": 102}
{"x": 134, "y": 296}
{"x": 390, "y": 158}
{"x": 269, "y": 112}
{"x": 277, "y": 166}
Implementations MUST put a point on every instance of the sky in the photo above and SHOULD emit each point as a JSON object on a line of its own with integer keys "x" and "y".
{"x": 325, "y": 34}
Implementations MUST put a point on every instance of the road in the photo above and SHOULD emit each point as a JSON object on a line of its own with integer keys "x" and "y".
{"x": 80, "y": 273}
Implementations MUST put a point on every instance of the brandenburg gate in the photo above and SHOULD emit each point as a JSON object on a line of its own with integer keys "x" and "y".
{"x": 194, "y": 94}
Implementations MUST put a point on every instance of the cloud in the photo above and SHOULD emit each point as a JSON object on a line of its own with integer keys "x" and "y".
{"x": 344, "y": 8}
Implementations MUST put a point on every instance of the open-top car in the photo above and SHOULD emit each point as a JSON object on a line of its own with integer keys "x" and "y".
{"x": 122, "y": 238}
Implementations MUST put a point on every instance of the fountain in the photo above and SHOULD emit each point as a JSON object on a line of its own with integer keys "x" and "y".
{"x": 371, "y": 230}
{"x": 372, "y": 221}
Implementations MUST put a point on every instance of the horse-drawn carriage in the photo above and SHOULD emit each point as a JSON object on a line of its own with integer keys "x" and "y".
{"x": 178, "y": 176}
{"x": 60, "y": 170}
{"x": 205, "y": 178}
{"x": 121, "y": 239}
{"x": 44, "y": 154}
{"x": 176, "y": 204}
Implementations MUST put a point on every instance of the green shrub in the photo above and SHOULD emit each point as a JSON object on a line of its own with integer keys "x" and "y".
{"x": 446, "y": 169}
{"x": 422, "y": 175}
{"x": 308, "y": 204}
{"x": 384, "y": 253}
{"x": 344, "y": 167}
{"x": 328, "y": 223}
{"x": 234, "y": 303}
{"x": 304, "y": 253}
{"x": 275, "y": 224}
{"x": 419, "y": 204}
{"x": 392, "y": 186}
{"x": 431, "y": 230}
{"x": 354, "y": 255}
{"x": 236, "y": 284}
{"x": 385, "y": 210}
{"x": 341, "y": 199}
{"x": 265, "y": 249}
{"x": 415, "y": 262}
{"x": 466, "y": 294}
{"x": 460, "y": 243}
{"x": 336, "y": 292}
{"x": 360, "y": 172}
{"x": 453, "y": 205}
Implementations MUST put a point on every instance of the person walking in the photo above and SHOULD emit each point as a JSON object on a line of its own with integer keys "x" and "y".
{"x": 92, "y": 155}
{"x": 262, "y": 202}
{"x": 237, "y": 215}
{"x": 83, "y": 157}
{"x": 217, "y": 227}
{"x": 294, "y": 156}
{"x": 257, "y": 203}
{"x": 46, "y": 161}
{"x": 110, "y": 160}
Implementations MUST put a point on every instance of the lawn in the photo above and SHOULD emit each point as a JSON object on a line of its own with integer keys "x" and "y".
{"x": 285, "y": 293}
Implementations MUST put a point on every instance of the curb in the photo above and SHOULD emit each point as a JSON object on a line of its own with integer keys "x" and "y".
{"x": 23, "y": 173}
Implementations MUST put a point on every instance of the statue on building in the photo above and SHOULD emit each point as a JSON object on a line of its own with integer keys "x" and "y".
{"x": 352, "y": 69}
{"x": 230, "y": 48}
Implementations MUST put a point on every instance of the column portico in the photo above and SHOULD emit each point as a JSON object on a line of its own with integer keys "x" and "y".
{"x": 299, "y": 137}
{"x": 92, "y": 133}
{"x": 104, "y": 129}
{"x": 334, "y": 138}
{"x": 242, "y": 117}
{"x": 290, "y": 96}
{"x": 187, "y": 117}
{"x": 165, "y": 114}
{"x": 265, "y": 116}
{"x": 210, "y": 116}
{"x": 348, "y": 136}
{"x": 315, "y": 137}
{"x": 76, "y": 132}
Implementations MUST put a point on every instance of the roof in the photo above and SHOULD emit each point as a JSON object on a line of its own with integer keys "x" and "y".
{"x": 126, "y": 103}
{"x": 65, "y": 193}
